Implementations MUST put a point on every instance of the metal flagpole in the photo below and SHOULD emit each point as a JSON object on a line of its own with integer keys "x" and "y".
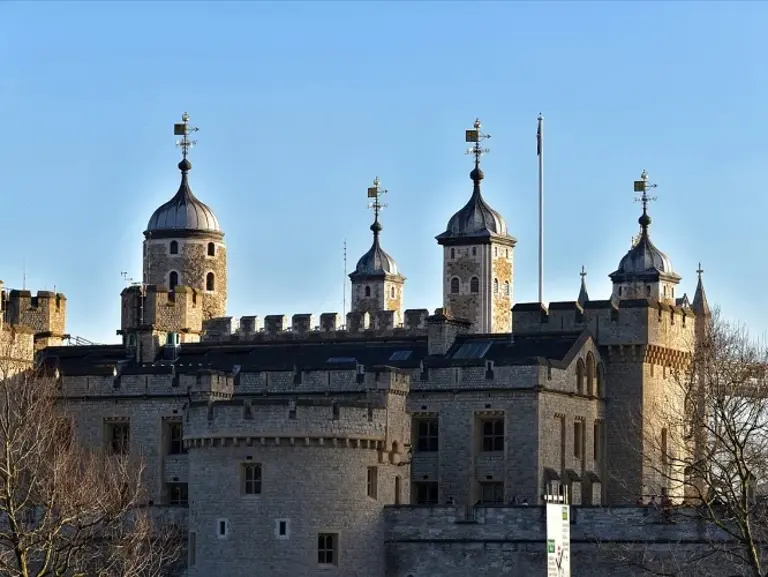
{"x": 540, "y": 154}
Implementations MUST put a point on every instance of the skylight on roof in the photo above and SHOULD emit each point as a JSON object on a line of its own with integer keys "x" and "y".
{"x": 472, "y": 350}
{"x": 400, "y": 356}
{"x": 334, "y": 360}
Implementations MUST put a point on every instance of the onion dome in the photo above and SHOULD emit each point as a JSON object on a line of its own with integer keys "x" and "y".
{"x": 476, "y": 218}
{"x": 184, "y": 212}
{"x": 376, "y": 262}
{"x": 644, "y": 261}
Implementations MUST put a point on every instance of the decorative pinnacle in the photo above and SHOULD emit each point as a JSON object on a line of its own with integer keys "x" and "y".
{"x": 583, "y": 272}
{"x": 375, "y": 192}
{"x": 641, "y": 189}
{"x": 183, "y": 129}
{"x": 699, "y": 271}
{"x": 476, "y": 136}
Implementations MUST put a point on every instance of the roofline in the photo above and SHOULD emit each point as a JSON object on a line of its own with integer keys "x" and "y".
{"x": 170, "y": 233}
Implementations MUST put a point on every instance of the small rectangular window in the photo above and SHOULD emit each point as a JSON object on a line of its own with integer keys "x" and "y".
{"x": 597, "y": 441}
{"x": 492, "y": 493}
{"x": 176, "y": 439}
{"x": 425, "y": 492}
{"x": 327, "y": 549}
{"x": 251, "y": 475}
{"x": 578, "y": 439}
{"x": 427, "y": 438}
{"x": 492, "y": 435}
{"x": 372, "y": 482}
{"x": 222, "y": 528}
{"x": 178, "y": 494}
{"x": 281, "y": 529}
{"x": 118, "y": 438}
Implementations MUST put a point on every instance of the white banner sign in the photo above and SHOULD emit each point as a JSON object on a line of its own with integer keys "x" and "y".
{"x": 558, "y": 540}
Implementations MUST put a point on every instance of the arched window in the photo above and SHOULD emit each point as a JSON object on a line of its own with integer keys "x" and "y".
{"x": 580, "y": 377}
{"x": 506, "y": 288}
{"x": 495, "y": 285}
{"x": 648, "y": 290}
{"x": 392, "y": 292}
{"x": 600, "y": 380}
{"x": 174, "y": 248}
{"x": 453, "y": 253}
{"x": 211, "y": 249}
{"x": 590, "y": 373}
{"x": 495, "y": 251}
{"x": 173, "y": 279}
{"x": 210, "y": 282}
{"x": 367, "y": 291}
{"x": 474, "y": 285}
{"x": 454, "y": 286}
{"x": 474, "y": 251}
{"x": 397, "y": 490}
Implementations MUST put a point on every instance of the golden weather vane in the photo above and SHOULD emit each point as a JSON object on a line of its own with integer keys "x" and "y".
{"x": 641, "y": 189}
{"x": 476, "y": 136}
{"x": 183, "y": 129}
{"x": 375, "y": 192}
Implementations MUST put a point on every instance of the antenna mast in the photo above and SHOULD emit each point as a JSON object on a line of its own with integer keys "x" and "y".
{"x": 344, "y": 289}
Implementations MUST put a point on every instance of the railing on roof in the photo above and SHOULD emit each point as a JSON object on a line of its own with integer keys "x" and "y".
{"x": 78, "y": 341}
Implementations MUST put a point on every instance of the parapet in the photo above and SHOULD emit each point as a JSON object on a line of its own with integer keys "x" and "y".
{"x": 45, "y": 313}
{"x": 638, "y": 321}
{"x": 156, "y": 307}
{"x": 306, "y": 326}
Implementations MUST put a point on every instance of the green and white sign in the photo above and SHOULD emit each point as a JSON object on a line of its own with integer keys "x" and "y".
{"x": 558, "y": 540}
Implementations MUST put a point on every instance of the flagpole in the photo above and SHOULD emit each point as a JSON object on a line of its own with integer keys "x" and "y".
{"x": 540, "y": 154}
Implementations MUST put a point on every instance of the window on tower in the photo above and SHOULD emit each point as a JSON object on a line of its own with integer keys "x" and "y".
{"x": 454, "y": 286}
{"x": 173, "y": 280}
{"x": 506, "y": 288}
{"x": 474, "y": 285}
{"x": 495, "y": 285}
{"x": 174, "y": 248}
{"x": 392, "y": 292}
{"x": 367, "y": 291}
{"x": 211, "y": 249}
{"x": 453, "y": 253}
{"x": 210, "y": 282}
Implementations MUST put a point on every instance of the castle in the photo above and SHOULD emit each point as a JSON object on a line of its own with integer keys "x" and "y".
{"x": 390, "y": 442}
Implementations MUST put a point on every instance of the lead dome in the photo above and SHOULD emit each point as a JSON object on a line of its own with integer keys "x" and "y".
{"x": 184, "y": 211}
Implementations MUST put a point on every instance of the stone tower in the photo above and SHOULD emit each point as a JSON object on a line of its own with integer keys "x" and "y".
{"x": 377, "y": 285}
{"x": 183, "y": 242}
{"x": 645, "y": 271}
{"x": 478, "y": 258}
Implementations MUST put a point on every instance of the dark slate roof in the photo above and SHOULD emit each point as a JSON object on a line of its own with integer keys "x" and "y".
{"x": 531, "y": 349}
{"x": 376, "y": 262}
{"x": 84, "y": 360}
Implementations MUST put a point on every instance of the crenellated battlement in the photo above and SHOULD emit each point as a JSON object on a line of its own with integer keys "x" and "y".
{"x": 306, "y": 326}
{"x": 628, "y": 322}
{"x": 369, "y": 413}
{"x": 45, "y": 313}
{"x": 156, "y": 307}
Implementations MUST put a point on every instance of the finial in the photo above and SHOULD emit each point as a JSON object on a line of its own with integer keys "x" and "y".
{"x": 699, "y": 271}
{"x": 641, "y": 189}
{"x": 375, "y": 192}
{"x": 583, "y": 272}
{"x": 183, "y": 129}
{"x": 476, "y": 136}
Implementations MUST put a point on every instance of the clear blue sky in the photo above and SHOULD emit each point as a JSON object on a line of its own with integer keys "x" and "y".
{"x": 300, "y": 105}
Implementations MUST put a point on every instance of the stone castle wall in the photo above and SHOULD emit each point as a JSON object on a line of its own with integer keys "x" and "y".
{"x": 44, "y": 313}
{"x": 502, "y": 266}
{"x": 492, "y": 541}
{"x": 192, "y": 263}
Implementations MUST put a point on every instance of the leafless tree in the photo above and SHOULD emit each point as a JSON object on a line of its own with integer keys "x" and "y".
{"x": 66, "y": 511}
{"x": 705, "y": 446}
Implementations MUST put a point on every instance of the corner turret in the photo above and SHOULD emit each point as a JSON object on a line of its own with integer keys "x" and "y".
{"x": 44, "y": 313}
{"x": 645, "y": 271}
{"x": 377, "y": 285}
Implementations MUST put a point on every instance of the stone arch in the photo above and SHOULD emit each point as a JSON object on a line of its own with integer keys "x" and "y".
{"x": 455, "y": 286}
{"x": 474, "y": 285}
{"x": 580, "y": 370}
{"x": 591, "y": 369}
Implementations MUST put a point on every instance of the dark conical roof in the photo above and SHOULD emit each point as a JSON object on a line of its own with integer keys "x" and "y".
{"x": 583, "y": 294}
{"x": 376, "y": 262}
{"x": 184, "y": 211}
{"x": 700, "y": 304}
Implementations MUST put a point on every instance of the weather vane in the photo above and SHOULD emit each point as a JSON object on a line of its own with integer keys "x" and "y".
{"x": 375, "y": 192}
{"x": 699, "y": 271}
{"x": 476, "y": 136}
{"x": 641, "y": 189}
{"x": 183, "y": 129}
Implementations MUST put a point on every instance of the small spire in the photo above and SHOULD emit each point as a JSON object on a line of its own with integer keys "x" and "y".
{"x": 476, "y": 136}
{"x": 375, "y": 192}
{"x": 700, "y": 305}
{"x": 641, "y": 189}
{"x": 583, "y": 294}
{"x": 183, "y": 129}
